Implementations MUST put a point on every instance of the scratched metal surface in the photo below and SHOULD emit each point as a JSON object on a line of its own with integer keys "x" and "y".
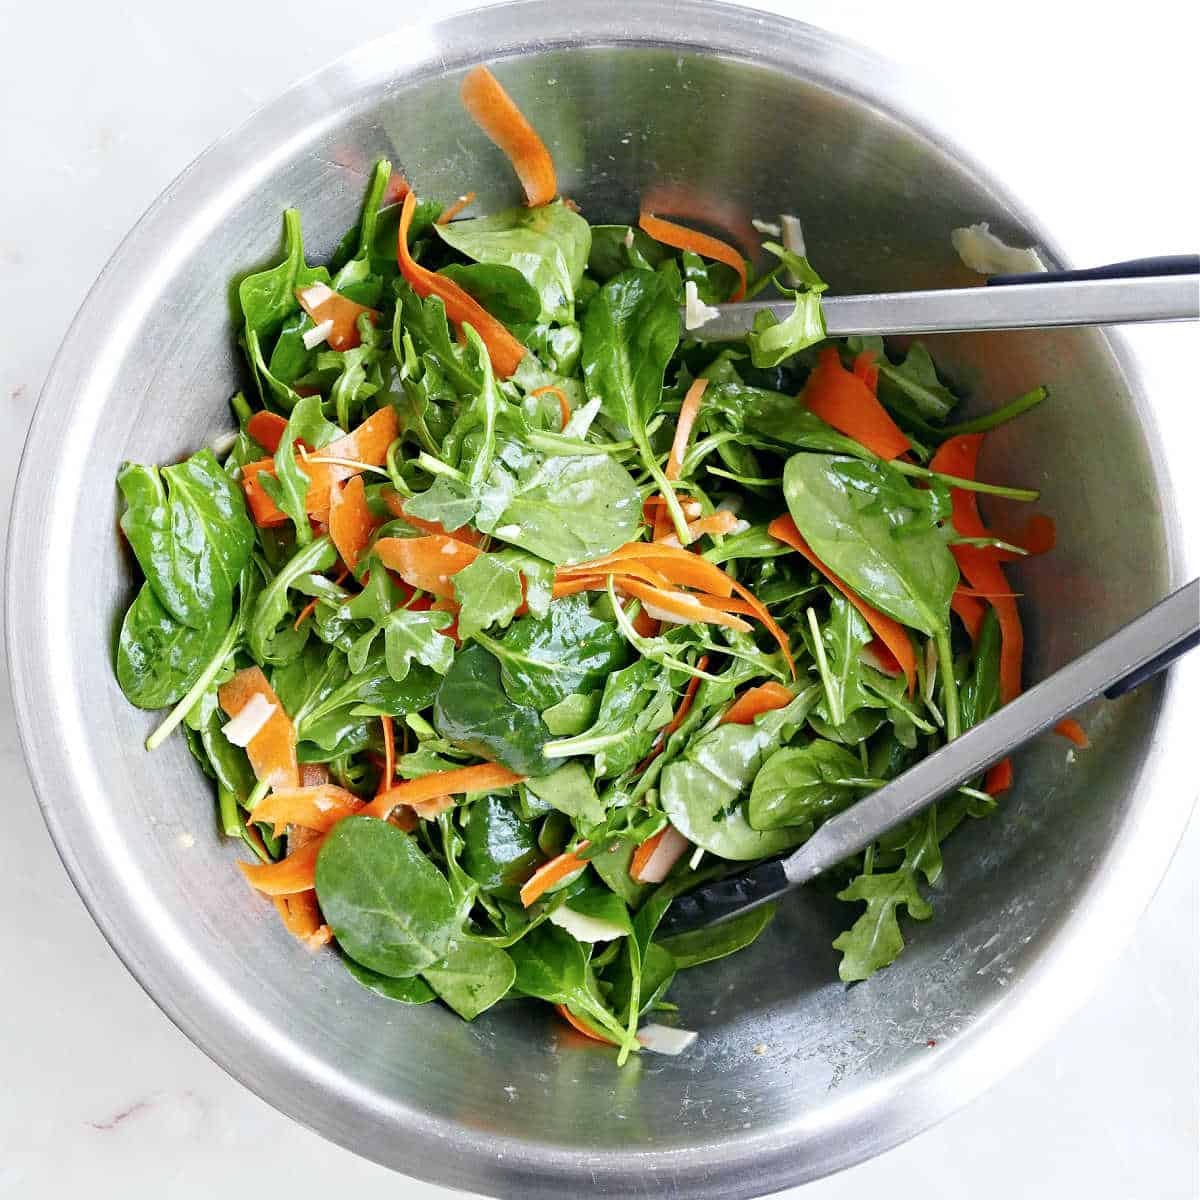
{"x": 794, "y": 1075}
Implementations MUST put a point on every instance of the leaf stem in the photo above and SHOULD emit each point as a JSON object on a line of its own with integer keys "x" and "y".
{"x": 967, "y": 485}
{"x": 836, "y": 715}
{"x": 1006, "y": 413}
{"x": 949, "y": 687}
{"x": 185, "y": 706}
{"x": 664, "y": 484}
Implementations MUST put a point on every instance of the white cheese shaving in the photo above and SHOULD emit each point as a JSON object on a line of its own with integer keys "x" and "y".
{"x": 793, "y": 240}
{"x": 768, "y": 227}
{"x": 670, "y": 540}
{"x": 695, "y": 311}
{"x": 670, "y": 849}
{"x": 581, "y": 419}
{"x": 662, "y": 1039}
{"x": 508, "y": 531}
{"x": 256, "y": 712}
{"x": 694, "y": 861}
{"x": 629, "y": 238}
{"x": 315, "y": 295}
{"x": 584, "y": 928}
{"x": 313, "y": 337}
{"x": 691, "y": 509}
{"x": 449, "y": 548}
{"x": 984, "y": 253}
{"x": 739, "y": 526}
{"x": 223, "y": 444}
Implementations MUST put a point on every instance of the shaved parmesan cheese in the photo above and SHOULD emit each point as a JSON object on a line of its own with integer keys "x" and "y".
{"x": 696, "y": 858}
{"x": 222, "y": 445}
{"x": 793, "y": 240}
{"x": 670, "y": 540}
{"x": 315, "y": 295}
{"x": 768, "y": 227}
{"x": 584, "y": 928}
{"x": 739, "y": 526}
{"x": 629, "y": 237}
{"x": 449, "y": 548}
{"x": 691, "y": 509}
{"x": 256, "y": 712}
{"x": 670, "y": 849}
{"x": 984, "y": 253}
{"x": 581, "y": 419}
{"x": 508, "y": 531}
{"x": 313, "y": 337}
{"x": 695, "y": 312}
{"x": 661, "y": 614}
{"x": 662, "y": 1039}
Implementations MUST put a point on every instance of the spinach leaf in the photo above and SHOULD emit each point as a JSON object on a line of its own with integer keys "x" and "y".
{"x": 411, "y": 990}
{"x": 503, "y": 291}
{"x": 501, "y": 850}
{"x": 698, "y": 946}
{"x": 616, "y": 248}
{"x": 701, "y": 792}
{"x": 774, "y": 416}
{"x": 548, "y": 245}
{"x": 543, "y": 661}
{"x": 269, "y": 632}
{"x": 874, "y": 940}
{"x": 358, "y": 277}
{"x": 909, "y": 577}
{"x": 472, "y": 976}
{"x": 655, "y": 976}
{"x": 804, "y": 785}
{"x": 188, "y": 526}
{"x": 612, "y": 865}
{"x": 473, "y": 710}
{"x": 570, "y": 791}
{"x": 388, "y": 906}
{"x": 572, "y": 715}
{"x": 159, "y": 658}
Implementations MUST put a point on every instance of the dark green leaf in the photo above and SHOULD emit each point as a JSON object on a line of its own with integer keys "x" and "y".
{"x": 874, "y": 940}
{"x": 412, "y": 990}
{"x": 570, "y": 791}
{"x": 706, "y": 945}
{"x": 802, "y": 786}
{"x": 472, "y": 976}
{"x": 501, "y": 850}
{"x": 503, "y": 291}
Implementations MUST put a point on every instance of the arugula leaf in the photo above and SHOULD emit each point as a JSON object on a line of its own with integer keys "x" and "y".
{"x": 388, "y": 906}
{"x": 289, "y": 488}
{"x": 489, "y": 592}
{"x": 189, "y": 529}
{"x": 548, "y": 245}
{"x": 269, "y": 632}
{"x": 473, "y": 710}
{"x": 771, "y": 340}
{"x": 425, "y": 322}
{"x": 408, "y": 634}
{"x": 874, "y": 940}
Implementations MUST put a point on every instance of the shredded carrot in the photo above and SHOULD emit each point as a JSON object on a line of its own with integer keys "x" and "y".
{"x": 492, "y": 109}
{"x": 397, "y": 189}
{"x": 682, "y": 567}
{"x": 464, "y": 533}
{"x": 999, "y": 777}
{"x": 389, "y": 754}
{"x": 685, "y": 706}
{"x": 272, "y": 750}
{"x": 427, "y": 810}
{"x": 755, "y": 701}
{"x": 866, "y": 369}
{"x": 350, "y": 520}
{"x": 311, "y": 607}
{"x": 719, "y": 522}
{"x": 958, "y": 456}
{"x": 1073, "y": 731}
{"x": 267, "y": 429}
{"x": 1038, "y": 535}
{"x": 841, "y": 399}
{"x": 427, "y": 562}
{"x": 564, "y": 405}
{"x": 450, "y": 213}
{"x": 462, "y": 308}
{"x": 572, "y": 585}
{"x": 368, "y": 445}
{"x": 969, "y": 610}
{"x": 339, "y": 309}
{"x": 889, "y": 631}
{"x": 302, "y": 919}
{"x": 550, "y": 873}
{"x": 683, "y": 427}
{"x": 288, "y": 876}
{"x": 581, "y": 1026}
{"x": 480, "y": 778}
{"x": 682, "y": 238}
{"x": 680, "y": 604}
{"x": 314, "y": 774}
{"x": 881, "y": 658}
{"x": 645, "y": 625}
{"x": 319, "y": 808}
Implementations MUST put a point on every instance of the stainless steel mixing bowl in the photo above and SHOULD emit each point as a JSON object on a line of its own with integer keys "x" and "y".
{"x": 702, "y": 111}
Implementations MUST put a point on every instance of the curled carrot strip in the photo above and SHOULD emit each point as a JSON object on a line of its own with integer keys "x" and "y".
{"x": 958, "y": 456}
{"x": 755, "y": 701}
{"x": 682, "y": 238}
{"x": 389, "y": 754}
{"x": 889, "y": 631}
{"x": 328, "y": 305}
{"x": 581, "y": 1026}
{"x": 503, "y": 349}
{"x": 683, "y": 427}
{"x": 302, "y": 919}
{"x": 492, "y": 109}
{"x": 550, "y": 873}
{"x": 969, "y": 610}
{"x": 866, "y": 369}
{"x": 1074, "y": 732}
{"x": 296, "y": 873}
{"x": 450, "y": 213}
{"x": 350, "y": 520}
{"x": 319, "y": 808}
{"x": 564, "y": 405}
{"x": 272, "y": 750}
{"x": 681, "y": 567}
{"x": 842, "y": 399}
{"x": 267, "y": 429}
{"x": 455, "y": 782}
{"x": 427, "y": 562}
{"x": 683, "y": 605}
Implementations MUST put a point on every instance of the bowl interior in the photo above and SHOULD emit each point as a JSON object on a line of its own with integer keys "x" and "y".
{"x": 794, "y": 1074}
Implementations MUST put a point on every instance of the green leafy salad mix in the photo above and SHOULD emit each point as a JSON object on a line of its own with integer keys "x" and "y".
{"x": 513, "y": 612}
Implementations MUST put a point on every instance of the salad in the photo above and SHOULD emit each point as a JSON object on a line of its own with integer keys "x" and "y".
{"x": 511, "y": 611}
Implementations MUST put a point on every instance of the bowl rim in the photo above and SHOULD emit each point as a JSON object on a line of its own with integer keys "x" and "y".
{"x": 792, "y": 1153}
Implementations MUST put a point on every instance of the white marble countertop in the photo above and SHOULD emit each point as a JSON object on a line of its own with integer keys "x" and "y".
{"x": 100, "y": 106}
